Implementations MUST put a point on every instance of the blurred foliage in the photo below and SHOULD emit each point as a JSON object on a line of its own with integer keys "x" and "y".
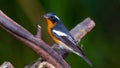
{"x": 101, "y": 45}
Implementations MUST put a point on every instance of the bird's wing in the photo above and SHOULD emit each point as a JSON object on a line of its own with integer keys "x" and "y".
{"x": 67, "y": 39}
{"x": 61, "y": 33}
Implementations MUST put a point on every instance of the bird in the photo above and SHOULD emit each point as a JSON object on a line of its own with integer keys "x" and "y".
{"x": 61, "y": 36}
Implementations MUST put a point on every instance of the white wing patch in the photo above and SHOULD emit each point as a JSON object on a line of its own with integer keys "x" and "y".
{"x": 59, "y": 33}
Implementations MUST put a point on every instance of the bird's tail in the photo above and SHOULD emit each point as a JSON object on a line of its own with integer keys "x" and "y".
{"x": 85, "y": 58}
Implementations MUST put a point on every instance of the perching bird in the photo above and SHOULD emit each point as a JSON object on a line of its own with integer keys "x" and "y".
{"x": 61, "y": 36}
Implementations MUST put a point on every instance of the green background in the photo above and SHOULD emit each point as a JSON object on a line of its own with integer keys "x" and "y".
{"x": 101, "y": 45}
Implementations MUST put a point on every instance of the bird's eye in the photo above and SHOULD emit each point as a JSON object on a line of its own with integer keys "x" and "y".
{"x": 52, "y": 17}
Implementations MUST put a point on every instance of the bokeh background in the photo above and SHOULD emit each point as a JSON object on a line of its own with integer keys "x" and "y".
{"x": 101, "y": 45}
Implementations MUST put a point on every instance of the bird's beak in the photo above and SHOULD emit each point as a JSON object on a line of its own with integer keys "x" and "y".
{"x": 49, "y": 22}
{"x": 45, "y": 16}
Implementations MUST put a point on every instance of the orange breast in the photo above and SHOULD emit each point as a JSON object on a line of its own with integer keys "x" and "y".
{"x": 51, "y": 25}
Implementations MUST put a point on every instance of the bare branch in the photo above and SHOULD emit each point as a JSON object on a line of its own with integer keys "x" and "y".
{"x": 39, "y": 32}
{"x": 78, "y": 32}
{"x": 82, "y": 29}
{"x": 45, "y": 65}
{"x": 6, "y": 65}
{"x": 38, "y": 45}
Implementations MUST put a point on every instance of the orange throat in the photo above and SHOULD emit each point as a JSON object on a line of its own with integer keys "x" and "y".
{"x": 49, "y": 27}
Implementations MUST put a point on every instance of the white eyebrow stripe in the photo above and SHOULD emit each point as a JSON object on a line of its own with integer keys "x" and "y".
{"x": 56, "y": 17}
{"x": 59, "y": 33}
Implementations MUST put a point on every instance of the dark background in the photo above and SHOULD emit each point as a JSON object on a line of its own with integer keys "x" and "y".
{"x": 101, "y": 45}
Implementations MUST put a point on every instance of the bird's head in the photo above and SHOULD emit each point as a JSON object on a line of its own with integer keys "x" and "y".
{"x": 51, "y": 18}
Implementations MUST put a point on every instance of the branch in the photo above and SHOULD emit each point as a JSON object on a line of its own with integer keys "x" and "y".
{"x": 37, "y": 45}
{"x": 78, "y": 32}
{"x": 6, "y": 65}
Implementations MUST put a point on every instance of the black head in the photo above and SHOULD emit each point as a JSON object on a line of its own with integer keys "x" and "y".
{"x": 52, "y": 17}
